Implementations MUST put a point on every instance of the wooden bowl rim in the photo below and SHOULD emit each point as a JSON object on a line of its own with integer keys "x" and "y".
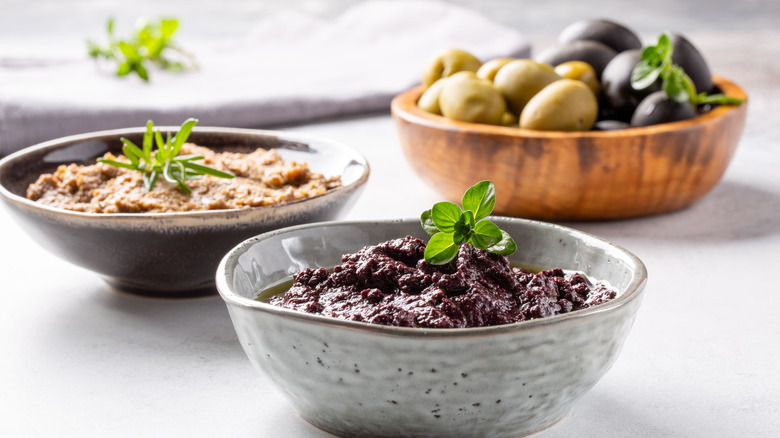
{"x": 404, "y": 106}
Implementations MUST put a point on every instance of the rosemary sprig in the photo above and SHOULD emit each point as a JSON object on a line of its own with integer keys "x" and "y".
{"x": 166, "y": 161}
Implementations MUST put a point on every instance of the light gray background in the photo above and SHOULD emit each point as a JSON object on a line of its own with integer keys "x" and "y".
{"x": 79, "y": 360}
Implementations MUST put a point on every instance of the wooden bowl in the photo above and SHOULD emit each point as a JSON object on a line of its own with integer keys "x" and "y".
{"x": 588, "y": 175}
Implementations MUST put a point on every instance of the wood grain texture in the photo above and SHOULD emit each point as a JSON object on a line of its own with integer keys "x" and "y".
{"x": 574, "y": 175}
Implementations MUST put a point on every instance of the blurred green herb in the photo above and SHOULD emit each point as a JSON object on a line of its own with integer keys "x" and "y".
{"x": 150, "y": 44}
{"x": 166, "y": 161}
{"x": 657, "y": 63}
{"x": 450, "y": 226}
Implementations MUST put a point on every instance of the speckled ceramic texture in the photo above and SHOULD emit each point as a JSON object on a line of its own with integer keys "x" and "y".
{"x": 170, "y": 254}
{"x": 355, "y": 379}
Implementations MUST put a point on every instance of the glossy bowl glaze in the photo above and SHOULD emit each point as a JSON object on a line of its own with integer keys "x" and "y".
{"x": 356, "y": 379}
{"x": 574, "y": 175}
{"x": 170, "y": 254}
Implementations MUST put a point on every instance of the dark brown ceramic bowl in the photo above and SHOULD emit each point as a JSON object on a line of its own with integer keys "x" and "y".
{"x": 590, "y": 175}
{"x": 170, "y": 254}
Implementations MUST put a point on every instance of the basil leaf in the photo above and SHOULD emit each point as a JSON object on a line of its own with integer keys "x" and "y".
{"x": 441, "y": 249}
{"x": 467, "y": 218}
{"x": 664, "y": 46}
{"x": 644, "y": 75}
{"x": 450, "y": 226}
{"x": 689, "y": 87}
{"x": 463, "y": 228}
{"x": 140, "y": 70}
{"x": 675, "y": 86}
{"x": 427, "y": 223}
{"x": 168, "y": 26}
{"x": 444, "y": 215}
{"x": 460, "y": 238}
{"x": 651, "y": 56}
{"x": 154, "y": 46}
{"x": 124, "y": 69}
{"x": 93, "y": 50}
{"x": 657, "y": 61}
{"x": 150, "y": 43}
{"x": 703, "y": 99}
{"x": 128, "y": 50}
{"x": 506, "y": 246}
{"x": 486, "y": 234}
{"x": 480, "y": 198}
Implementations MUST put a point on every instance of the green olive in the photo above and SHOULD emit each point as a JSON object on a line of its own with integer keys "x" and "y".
{"x": 594, "y": 53}
{"x": 489, "y": 69}
{"x": 509, "y": 119}
{"x": 447, "y": 63}
{"x": 521, "y": 79}
{"x": 581, "y": 71}
{"x": 468, "y": 98}
{"x": 429, "y": 101}
{"x": 564, "y": 105}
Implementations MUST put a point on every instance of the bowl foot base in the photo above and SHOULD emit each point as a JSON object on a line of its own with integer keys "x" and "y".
{"x": 196, "y": 292}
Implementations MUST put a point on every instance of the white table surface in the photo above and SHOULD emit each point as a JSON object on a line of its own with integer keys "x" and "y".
{"x": 702, "y": 360}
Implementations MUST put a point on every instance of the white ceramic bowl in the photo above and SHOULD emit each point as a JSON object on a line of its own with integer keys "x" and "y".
{"x": 357, "y": 379}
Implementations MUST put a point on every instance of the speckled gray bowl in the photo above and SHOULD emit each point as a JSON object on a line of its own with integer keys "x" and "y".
{"x": 356, "y": 379}
{"x": 170, "y": 254}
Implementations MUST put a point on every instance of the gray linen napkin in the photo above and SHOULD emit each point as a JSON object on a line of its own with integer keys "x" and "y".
{"x": 290, "y": 67}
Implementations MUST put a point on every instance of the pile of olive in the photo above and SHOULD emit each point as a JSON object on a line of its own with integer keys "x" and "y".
{"x": 582, "y": 83}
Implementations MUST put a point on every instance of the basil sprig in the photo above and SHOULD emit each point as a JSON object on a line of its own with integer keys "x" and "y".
{"x": 151, "y": 43}
{"x": 450, "y": 226}
{"x": 657, "y": 63}
{"x": 166, "y": 161}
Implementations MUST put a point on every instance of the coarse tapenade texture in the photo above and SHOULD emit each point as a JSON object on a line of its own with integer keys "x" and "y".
{"x": 392, "y": 284}
{"x": 262, "y": 178}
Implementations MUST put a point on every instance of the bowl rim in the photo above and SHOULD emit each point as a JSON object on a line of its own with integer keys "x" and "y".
{"x": 633, "y": 291}
{"x": 56, "y": 143}
{"x": 404, "y": 106}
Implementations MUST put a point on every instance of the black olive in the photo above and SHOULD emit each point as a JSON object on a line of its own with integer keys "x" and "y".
{"x": 658, "y": 108}
{"x": 610, "y": 125}
{"x": 606, "y": 112}
{"x": 616, "y": 87}
{"x": 592, "y": 52}
{"x": 616, "y": 36}
{"x": 690, "y": 59}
